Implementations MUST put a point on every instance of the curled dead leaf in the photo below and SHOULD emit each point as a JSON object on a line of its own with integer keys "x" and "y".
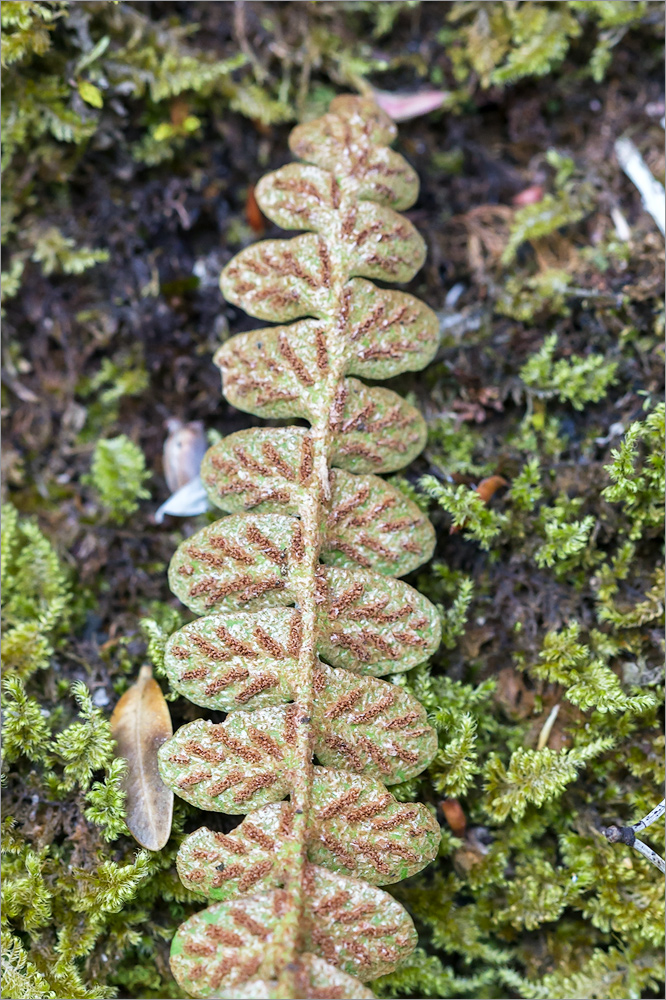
{"x": 403, "y": 107}
{"x": 253, "y": 212}
{"x": 183, "y": 451}
{"x": 454, "y": 816}
{"x": 528, "y": 196}
{"x": 488, "y": 487}
{"x": 140, "y": 724}
{"x": 485, "y": 489}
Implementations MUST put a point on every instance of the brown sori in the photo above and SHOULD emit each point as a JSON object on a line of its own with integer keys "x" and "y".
{"x": 297, "y": 585}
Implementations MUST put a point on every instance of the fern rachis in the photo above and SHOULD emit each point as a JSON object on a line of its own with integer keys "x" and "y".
{"x": 302, "y": 611}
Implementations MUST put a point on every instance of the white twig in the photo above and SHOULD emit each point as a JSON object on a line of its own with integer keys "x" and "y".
{"x": 638, "y": 171}
{"x": 627, "y": 835}
{"x": 651, "y": 855}
{"x": 651, "y": 817}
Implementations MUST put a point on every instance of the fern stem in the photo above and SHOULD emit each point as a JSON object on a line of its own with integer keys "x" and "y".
{"x": 312, "y": 512}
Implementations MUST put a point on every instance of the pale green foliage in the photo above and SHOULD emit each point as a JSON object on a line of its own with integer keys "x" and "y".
{"x": 79, "y": 750}
{"x": 455, "y": 617}
{"x": 85, "y": 747}
{"x": 524, "y": 298}
{"x": 467, "y": 509}
{"x": 606, "y": 975}
{"x": 26, "y": 28}
{"x": 427, "y": 974}
{"x": 537, "y": 894}
{"x": 252, "y": 102}
{"x": 40, "y": 891}
{"x": 526, "y": 490}
{"x": 34, "y": 901}
{"x": 614, "y": 17}
{"x": 384, "y": 15}
{"x": 577, "y": 380}
{"x": 541, "y": 33}
{"x": 456, "y": 765}
{"x": 649, "y": 610}
{"x": 447, "y": 700}
{"x": 157, "y": 639}
{"x": 612, "y": 13}
{"x": 111, "y": 885}
{"x": 35, "y": 595}
{"x": 505, "y": 43}
{"x": 25, "y": 731}
{"x": 157, "y": 629}
{"x": 410, "y": 491}
{"x": 124, "y": 375}
{"x": 610, "y": 574}
{"x": 164, "y": 140}
{"x": 627, "y": 898}
{"x": 118, "y": 472}
{"x": 24, "y": 890}
{"x": 565, "y": 537}
{"x": 539, "y": 432}
{"x": 59, "y": 253}
{"x": 20, "y": 978}
{"x": 456, "y": 443}
{"x": 637, "y": 472}
{"x": 56, "y": 99}
{"x": 584, "y": 672}
{"x": 106, "y": 801}
{"x": 569, "y": 203}
{"x": 32, "y": 578}
{"x": 535, "y": 221}
{"x": 533, "y": 776}
{"x": 11, "y": 279}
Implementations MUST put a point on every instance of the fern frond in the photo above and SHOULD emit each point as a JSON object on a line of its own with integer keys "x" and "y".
{"x": 302, "y": 609}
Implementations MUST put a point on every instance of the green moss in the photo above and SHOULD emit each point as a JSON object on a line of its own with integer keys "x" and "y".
{"x": 536, "y": 907}
{"x": 117, "y": 473}
{"x": 36, "y": 599}
{"x": 578, "y": 380}
{"x": 637, "y": 473}
{"x": 504, "y": 43}
{"x": 466, "y": 509}
{"x": 532, "y": 777}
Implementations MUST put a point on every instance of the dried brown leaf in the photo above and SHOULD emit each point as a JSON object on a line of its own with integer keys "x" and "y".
{"x": 140, "y": 724}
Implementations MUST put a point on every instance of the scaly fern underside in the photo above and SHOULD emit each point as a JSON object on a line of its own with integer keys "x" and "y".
{"x": 302, "y": 611}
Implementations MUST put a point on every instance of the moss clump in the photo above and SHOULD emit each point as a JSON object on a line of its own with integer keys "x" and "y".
{"x": 36, "y": 596}
{"x": 117, "y": 473}
{"x": 67, "y": 896}
{"x": 577, "y": 381}
{"x": 119, "y": 135}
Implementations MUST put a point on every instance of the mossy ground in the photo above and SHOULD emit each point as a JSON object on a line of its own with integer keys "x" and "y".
{"x": 132, "y": 133}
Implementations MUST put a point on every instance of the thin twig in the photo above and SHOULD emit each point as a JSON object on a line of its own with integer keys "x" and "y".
{"x": 627, "y": 835}
{"x": 651, "y": 817}
{"x": 651, "y": 855}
